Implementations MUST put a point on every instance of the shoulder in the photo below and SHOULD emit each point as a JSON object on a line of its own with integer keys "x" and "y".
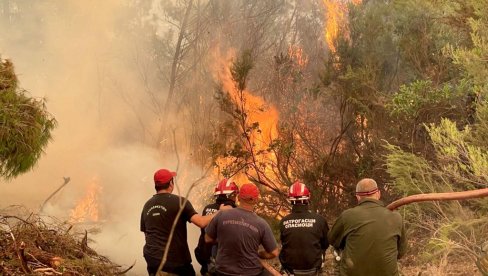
{"x": 213, "y": 206}
{"x": 350, "y": 212}
{"x": 318, "y": 217}
{"x": 149, "y": 202}
{"x": 287, "y": 217}
{"x": 262, "y": 221}
{"x": 396, "y": 215}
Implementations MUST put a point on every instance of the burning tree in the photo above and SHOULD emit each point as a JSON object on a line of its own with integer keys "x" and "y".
{"x": 305, "y": 142}
{"x": 248, "y": 153}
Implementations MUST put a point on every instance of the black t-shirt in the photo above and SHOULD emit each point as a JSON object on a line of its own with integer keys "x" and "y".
{"x": 303, "y": 239}
{"x": 204, "y": 250}
{"x": 157, "y": 218}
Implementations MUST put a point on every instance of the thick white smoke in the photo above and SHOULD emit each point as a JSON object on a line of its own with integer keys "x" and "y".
{"x": 79, "y": 55}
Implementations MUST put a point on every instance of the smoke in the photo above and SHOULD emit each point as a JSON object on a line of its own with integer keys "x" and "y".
{"x": 79, "y": 56}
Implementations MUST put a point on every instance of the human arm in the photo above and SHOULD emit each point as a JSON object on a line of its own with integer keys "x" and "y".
{"x": 203, "y": 221}
{"x": 211, "y": 230}
{"x": 263, "y": 254}
{"x": 143, "y": 224}
{"x": 402, "y": 243}
{"x": 209, "y": 239}
{"x": 324, "y": 242}
{"x": 270, "y": 246}
{"x": 336, "y": 234}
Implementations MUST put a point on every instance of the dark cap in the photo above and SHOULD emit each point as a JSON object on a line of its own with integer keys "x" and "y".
{"x": 163, "y": 176}
{"x": 248, "y": 191}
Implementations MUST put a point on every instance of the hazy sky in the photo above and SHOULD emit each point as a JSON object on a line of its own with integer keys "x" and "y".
{"x": 77, "y": 55}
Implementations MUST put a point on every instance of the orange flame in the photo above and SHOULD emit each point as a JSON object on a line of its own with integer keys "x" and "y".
{"x": 257, "y": 110}
{"x": 336, "y": 21}
{"x": 87, "y": 209}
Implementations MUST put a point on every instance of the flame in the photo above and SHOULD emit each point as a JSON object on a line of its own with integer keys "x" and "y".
{"x": 336, "y": 21}
{"x": 258, "y": 111}
{"x": 87, "y": 209}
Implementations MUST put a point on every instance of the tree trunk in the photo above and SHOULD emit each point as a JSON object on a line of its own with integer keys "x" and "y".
{"x": 174, "y": 70}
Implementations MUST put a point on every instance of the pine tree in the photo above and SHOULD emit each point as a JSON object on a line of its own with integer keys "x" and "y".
{"x": 25, "y": 125}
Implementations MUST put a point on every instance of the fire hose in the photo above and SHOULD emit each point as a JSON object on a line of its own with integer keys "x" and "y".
{"x": 438, "y": 197}
{"x": 420, "y": 198}
{"x": 482, "y": 262}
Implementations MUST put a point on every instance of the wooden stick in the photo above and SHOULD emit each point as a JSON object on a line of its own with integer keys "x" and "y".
{"x": 66, "y": 181}
{"x": 48, "y": 269}
{"x": 438, "y": 197}
{"x": 21, "y": 255}
{"x": 126, "y": 270}
{"x": 269, "y": 268}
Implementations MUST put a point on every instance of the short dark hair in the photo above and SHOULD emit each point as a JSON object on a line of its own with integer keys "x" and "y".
{"x": 162, "y": 186}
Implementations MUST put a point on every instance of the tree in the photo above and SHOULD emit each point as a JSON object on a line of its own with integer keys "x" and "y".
{"x": 25, "y": 125}
{"x": 459, "y": 156}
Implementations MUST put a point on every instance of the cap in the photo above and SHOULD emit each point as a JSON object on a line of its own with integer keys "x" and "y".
{"x": 366, "y": 186}
{"x": 248, "y": 191}
{"x": 163, "y": 176}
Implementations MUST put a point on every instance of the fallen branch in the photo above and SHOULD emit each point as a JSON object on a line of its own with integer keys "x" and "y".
{"x": 127, "y": 270}
{"x": 48, "y": 271}
{"x": 66, "y": 181}
{"x": 44, "y": 258}
{"x": 438, "y": 197}
{"x": 57, "y": 250}
{"x": 3, "y": 269}
{"x": 20, "y": 253}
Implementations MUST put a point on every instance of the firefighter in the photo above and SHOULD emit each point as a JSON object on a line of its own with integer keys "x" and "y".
{"x": 157, "y": 219}
{"x": 370, "y": 236}
{"x": 303, "y": 235}
{"x": 225, "y": 192}
{"x": 240, "y": 232}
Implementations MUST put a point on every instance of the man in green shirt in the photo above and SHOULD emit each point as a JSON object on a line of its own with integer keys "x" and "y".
{"x": 370, "y": 236}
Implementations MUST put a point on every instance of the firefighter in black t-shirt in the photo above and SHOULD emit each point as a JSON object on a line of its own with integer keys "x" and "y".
{"x": 225, "y": 192}
{"x": 303, "y": 235}
{"x": 157, "y": 218}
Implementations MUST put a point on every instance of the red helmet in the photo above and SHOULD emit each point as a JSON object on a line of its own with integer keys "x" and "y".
{"x": 298, "y": 191}
{"x": 226, "y": 187}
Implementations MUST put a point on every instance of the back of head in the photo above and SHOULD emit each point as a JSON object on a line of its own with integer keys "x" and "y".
{"x": 298, "y": 194}
{"x": 249, "y": 194}
{"x": 163, "y": 178}
{"x": 226, "y": 187}
{"x": 366, "y": 187}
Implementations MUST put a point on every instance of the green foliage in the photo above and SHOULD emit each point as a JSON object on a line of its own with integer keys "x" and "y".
{"x": 240, "y": 69}
{"x": 458, "y": 165}
{"x": 420, "y": 94}
{"x": 459, "y": 156}
{"x": 473, "y": 60}
{"x": 25, "y": 127}
{"x": 480, "y": 134}
{"x": 408, "y": 170}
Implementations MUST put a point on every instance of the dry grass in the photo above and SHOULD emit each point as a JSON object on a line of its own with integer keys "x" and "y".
{"x": 31, "y": 245}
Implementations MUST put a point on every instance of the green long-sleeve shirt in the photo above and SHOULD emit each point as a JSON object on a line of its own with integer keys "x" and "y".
{"x": 371, "y": 238}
